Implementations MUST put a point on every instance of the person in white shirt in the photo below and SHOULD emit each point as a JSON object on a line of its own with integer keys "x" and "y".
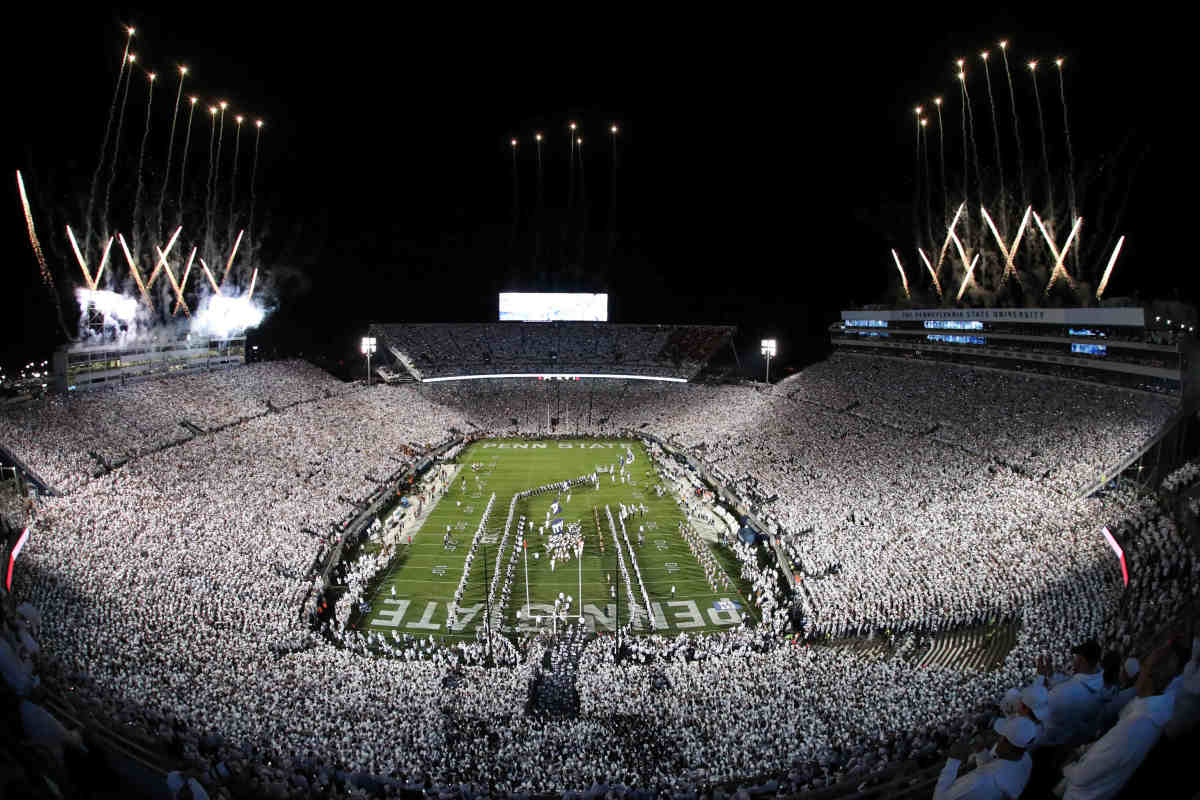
{"x": 1109, "y": 763}
{"x": 1075, "y": 702}
{"x": 1127, "y": 691}
{"x": 1001, "y": 778}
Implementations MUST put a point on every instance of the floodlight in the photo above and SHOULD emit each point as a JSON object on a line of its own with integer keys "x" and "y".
{"x": 768, "y": 349}
{"x": 368, "y": 349}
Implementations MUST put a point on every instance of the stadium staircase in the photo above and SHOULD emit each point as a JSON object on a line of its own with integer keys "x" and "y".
{"x": 979, "y": 648}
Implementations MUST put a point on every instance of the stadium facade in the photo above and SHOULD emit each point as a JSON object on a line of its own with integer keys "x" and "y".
{"x": 1108, "y": 345}
{"x": 92, "y": 367}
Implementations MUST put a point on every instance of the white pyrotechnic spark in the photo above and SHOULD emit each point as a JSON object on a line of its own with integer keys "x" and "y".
{"x": 183, "y": 283}
{"x": 208, "y": 274}
{"x": 950, "y": 236}
{"x": 103, "y": 261}
{"x": 1108, "y": 270}
{"x": 1059, "y": 257}
{"x": 903, "y": 277}
{"x": 137, "y": 276}
{"x": 162, "y": 258}
{"x": 232, "y": 255}
{"x": 932, "y": 272}
{"x": 967, "y": 277}
{"x": 33, "y": 238}
{"x": 87, "y": 273}
{"x": 1009, "y": 252}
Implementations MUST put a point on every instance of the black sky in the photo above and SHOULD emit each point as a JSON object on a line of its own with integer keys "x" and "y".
{"x": 765, "y": 167}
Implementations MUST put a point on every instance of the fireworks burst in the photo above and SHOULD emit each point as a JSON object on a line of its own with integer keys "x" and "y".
{"x": 128, "y": 177}
{"x": 985, "y": 256}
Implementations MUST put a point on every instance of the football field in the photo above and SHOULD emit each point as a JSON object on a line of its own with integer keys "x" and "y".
{"x": 415, "y": 592}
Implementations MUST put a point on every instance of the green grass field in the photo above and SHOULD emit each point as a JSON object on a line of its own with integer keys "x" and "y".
{"x": 414, "y": 593}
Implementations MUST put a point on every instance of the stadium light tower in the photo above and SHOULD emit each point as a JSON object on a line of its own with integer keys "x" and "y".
{"x": 768, "y": 350}
{"x": 368, "y": 350}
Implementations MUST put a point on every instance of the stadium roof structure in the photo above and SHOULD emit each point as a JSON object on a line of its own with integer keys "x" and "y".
{"x": 433, "y": 352}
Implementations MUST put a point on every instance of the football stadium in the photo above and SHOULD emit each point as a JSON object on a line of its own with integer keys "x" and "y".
{"x": 565, "y": 551}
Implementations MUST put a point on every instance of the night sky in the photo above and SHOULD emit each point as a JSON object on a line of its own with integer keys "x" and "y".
{"x": 765, "y": 164}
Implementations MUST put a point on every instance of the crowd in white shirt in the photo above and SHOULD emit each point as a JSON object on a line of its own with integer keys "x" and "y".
{"x": 170, "y": 588}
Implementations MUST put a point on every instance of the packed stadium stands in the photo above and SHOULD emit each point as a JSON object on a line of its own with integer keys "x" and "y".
{"x": 437, "y": 351}
{"x": 921, "y": 504}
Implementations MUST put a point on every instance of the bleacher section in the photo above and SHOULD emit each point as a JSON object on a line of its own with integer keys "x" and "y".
{"x": 446, "y": 351}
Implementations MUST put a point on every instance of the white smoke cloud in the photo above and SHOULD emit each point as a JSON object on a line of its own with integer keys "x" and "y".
{"x": 116, "y": 308}
{"x": 222, "y": 317}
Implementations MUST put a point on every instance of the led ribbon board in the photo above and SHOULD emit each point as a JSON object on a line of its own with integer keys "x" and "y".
{"x": 552, "y": 376}
{"x": 12, "y": 558}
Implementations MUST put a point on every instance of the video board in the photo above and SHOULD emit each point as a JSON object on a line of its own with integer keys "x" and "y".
{"x": 553, "y": 307}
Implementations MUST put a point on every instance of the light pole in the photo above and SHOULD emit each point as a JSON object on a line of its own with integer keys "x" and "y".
{"x": 768, "y": 350}
{"x": 368, "y": 349}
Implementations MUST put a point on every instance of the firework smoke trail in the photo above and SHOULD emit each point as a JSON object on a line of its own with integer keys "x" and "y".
{"x": 516, "y": 193}
{"x": 539, "y": 213}
{"x": 112, "y": 108}
{"x": 137, "y": 197}
{"x": 571, "y": 160}
{"x": 208, "y": 181}
{"x": 583, "y": 205}
{"x": 987, "y": 74}
{"x": 974, "y": 139}
{"x": 237, "y": 149}
{"x": 1012, "y": 99}
{"x": 932, "y": 273}
{"x": 1045, "y": 152}
{"x": 112, "y": 170}
{"x": 537, "y": 137}
{"x": 187, "y": 141}
{"x": 47, "y": 276}
{"x": 928, "y": 181}
{"x": 217, "y": 167}
{"x": 942, "y": 156}
{"x": 162, "y": 192}
{"x": 612, "y": 193}
{"x": 1062, "y": 93}
{"x": 962, "y": 93}
{"x": 916, "y": 204}
{"x": 258, "y": 124}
